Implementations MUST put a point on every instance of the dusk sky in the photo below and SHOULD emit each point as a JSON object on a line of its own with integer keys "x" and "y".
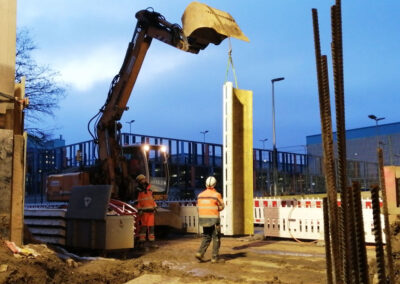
{"x": 179, "y": 94}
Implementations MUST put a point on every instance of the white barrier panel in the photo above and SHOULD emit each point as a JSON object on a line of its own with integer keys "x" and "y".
{"x": 286, "y": 218}
{"x": 294, "y": 222}
{"x": 304, "y": 219}
{"x": 190, "y": 218}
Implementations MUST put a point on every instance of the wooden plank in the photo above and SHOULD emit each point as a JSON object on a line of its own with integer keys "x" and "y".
{"x": 19, "y": 94}
{"x": 6, "y": 155}
{"x": 18, "y": 191}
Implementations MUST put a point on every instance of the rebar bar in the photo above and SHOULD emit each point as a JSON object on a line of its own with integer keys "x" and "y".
{"x": 353, "y": 260}
{"x": 329, "y": 163}
{"x": 327, "y": 241}
{"x": 361, "y": 253}
{"x": 380, "y": 257}
{"x": 337, "y": 62}
{"x": 388, "y": 247}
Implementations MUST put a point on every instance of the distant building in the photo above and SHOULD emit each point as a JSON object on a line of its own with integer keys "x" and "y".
{"x": 361, "y": 143}
{"x": 41, "y": 158}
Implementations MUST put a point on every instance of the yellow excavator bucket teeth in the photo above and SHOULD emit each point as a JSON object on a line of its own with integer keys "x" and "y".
{"x": 203, "y": 24}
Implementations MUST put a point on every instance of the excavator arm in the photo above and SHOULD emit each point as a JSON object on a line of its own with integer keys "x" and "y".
{"x": 150, "y": 25}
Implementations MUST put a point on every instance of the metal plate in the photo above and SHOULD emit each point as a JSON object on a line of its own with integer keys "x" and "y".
{"x": 89, "y": 202}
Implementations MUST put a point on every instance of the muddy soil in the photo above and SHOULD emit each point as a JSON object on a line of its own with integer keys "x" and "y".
{"x": 247, "y": 260}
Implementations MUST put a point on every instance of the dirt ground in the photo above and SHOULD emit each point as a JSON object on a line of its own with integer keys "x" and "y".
{"x": 247, "y": 260}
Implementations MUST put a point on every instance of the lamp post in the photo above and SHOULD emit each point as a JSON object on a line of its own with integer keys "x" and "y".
{"x": 373, "y": 117}
{"x": 130, "y": 125}
{"x": 204, "y": 135}
{"x": 263, "y": 142}
{"x": 274, "y": 153}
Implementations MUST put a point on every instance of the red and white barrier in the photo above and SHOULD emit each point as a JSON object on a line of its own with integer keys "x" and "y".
{"x": 302, "y": 218}
{"x": 284, "y": 218}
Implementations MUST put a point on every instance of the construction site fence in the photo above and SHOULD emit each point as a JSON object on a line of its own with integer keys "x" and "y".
{"x": 300, "y": 219}
{"x": 192, "y": 161}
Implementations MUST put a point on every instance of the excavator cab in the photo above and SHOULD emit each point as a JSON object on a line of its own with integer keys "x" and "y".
{"x": 151, "y": 161}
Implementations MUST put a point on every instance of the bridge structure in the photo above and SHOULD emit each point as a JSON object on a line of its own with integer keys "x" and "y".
{"x": 190, "y": 162}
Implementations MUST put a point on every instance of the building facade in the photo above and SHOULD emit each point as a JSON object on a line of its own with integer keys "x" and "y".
{"x": 361, "y": 143}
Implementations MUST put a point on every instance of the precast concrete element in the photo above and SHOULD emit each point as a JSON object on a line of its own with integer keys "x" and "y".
{"x": 13, "y": 140}
{"x": 237, "y": 217}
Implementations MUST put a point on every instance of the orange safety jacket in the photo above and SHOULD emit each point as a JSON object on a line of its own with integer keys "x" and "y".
{"x": 146, "y": 201}
{"x": 209, "y": 203}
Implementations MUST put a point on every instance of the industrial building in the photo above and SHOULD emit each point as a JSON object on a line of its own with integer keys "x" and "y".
{"x": 361, "y": 143}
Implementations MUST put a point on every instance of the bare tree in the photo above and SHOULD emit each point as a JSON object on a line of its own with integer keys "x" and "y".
{"x": 41, "y": 85}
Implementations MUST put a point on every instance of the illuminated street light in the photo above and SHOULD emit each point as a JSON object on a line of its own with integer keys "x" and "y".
{"x": 275, "y": 154}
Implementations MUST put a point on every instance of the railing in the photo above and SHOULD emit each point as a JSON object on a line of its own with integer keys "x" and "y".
{"x": 192, "y": 161}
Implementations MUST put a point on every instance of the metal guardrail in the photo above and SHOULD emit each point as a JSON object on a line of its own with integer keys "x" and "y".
{"x": 192, "y": 161}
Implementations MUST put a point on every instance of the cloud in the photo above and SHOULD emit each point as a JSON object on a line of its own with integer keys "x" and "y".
{"x": 85, "y": 71}
{"x": 103, "y": 63}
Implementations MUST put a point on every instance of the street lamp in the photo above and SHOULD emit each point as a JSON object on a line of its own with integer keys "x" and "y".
{"x": 263, "y": 142}
{"x": 373, "y": 117}
{"x": 130, "y": 125}
{"x": 204, "y": 135}
{"x": 274, "y": 153}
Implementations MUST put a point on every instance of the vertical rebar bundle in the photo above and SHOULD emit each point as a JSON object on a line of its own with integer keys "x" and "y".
{"x": 380, "y": 257}
{"x": 361, "y": 261}
{"x": 327, "y": 242}
{"x": 329, "y": 162}
{"x": 337, "y": 62}
{"x": 385, "y": 212}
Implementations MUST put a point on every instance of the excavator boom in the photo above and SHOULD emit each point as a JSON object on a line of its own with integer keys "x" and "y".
{"x": 202, "y": 25}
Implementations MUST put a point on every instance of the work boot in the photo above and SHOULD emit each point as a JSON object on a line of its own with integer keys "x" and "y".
{"x": 217, "y": 260}
{"x": 199, "y": 257}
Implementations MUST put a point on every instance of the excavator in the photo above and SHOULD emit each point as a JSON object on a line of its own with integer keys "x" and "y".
{"x": 118, "y": 165}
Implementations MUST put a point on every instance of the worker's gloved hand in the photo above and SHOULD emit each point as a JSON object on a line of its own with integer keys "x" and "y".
{"x": 140, "y": 212}
{"x": 155, "y": 209}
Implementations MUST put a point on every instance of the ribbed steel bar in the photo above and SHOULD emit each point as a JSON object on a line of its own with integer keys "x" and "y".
{"x": 385, "y": 212}
{"x": 329, "y": 162}
{"x": 327, "y": 242}
{"x": 361, "y": 253}
{"x": 380, "y": 257}
{"x": 353, "y": 260}
{"x": 337, "y": 62}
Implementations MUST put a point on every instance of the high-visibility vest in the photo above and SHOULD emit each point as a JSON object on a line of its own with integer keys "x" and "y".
{"x": 145, "y": 200}
{"x": 209, "y": 203}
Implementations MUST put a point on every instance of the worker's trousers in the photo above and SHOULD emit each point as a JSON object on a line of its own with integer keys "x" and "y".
{"x": 146, "y": 226}
{"x": 211, "y": 233}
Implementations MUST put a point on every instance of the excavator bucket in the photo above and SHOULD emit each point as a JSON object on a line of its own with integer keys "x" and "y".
{"x": 203, "y": 24}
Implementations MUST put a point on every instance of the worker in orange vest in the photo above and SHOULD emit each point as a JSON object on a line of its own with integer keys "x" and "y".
{"x": 209, "y": 204}
{"x": 146, "y": 206}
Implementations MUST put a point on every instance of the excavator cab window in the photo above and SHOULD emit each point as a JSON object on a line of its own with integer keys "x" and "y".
{"x": 150, "y": 160}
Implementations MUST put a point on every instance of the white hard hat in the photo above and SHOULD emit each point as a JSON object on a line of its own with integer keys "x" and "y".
{"x": 211, "y": 181}
{"x": 140, "y": 178}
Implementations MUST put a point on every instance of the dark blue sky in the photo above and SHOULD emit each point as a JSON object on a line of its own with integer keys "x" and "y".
{"x": 179, "y": 95}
